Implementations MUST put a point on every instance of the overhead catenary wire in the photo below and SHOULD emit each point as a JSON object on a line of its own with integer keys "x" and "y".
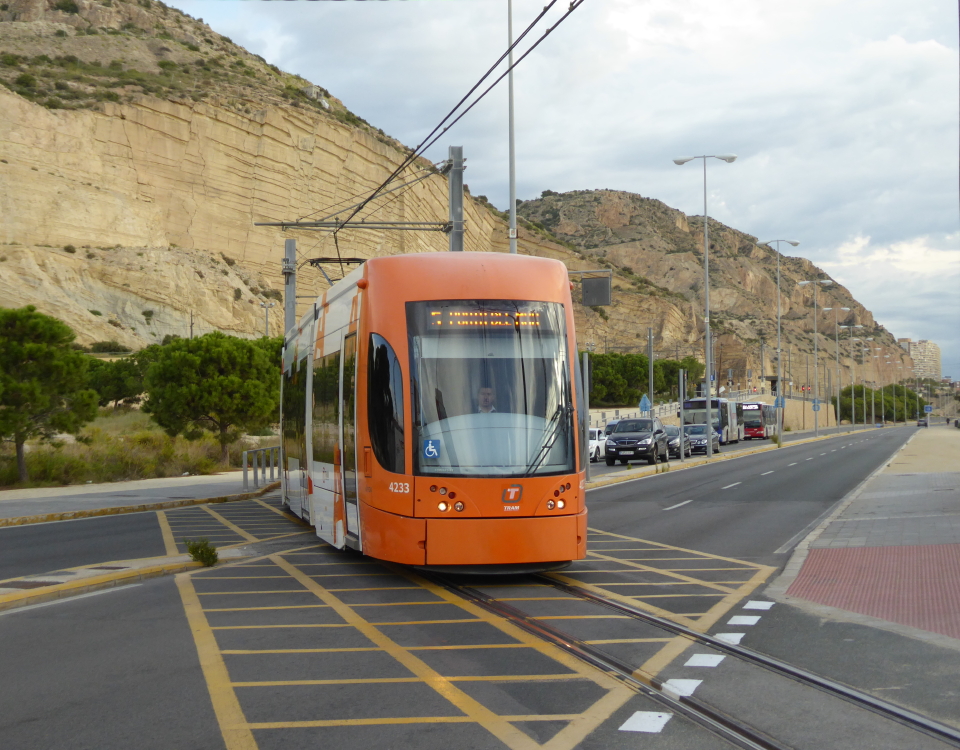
{"x": 439, "y": 130}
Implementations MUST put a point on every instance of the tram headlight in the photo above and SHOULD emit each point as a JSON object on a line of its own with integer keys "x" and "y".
{"x": 443, "y": 507}
{"x": 551, "y": 504}
{"x": 458, "y": 506}
{"x": 561, "y": 504}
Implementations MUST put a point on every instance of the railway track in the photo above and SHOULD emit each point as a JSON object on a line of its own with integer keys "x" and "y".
{"x": 710, "y": 717}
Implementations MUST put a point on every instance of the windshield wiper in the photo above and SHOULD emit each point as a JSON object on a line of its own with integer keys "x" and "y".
{"x": 552, "y": 431}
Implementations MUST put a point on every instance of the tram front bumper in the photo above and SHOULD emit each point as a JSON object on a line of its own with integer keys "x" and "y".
{"x": 498, "y": 541}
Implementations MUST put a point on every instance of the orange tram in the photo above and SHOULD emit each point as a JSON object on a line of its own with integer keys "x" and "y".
{"x": 432, "y": 414}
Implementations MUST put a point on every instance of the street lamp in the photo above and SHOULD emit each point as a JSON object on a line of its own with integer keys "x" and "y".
{"x": 729, "y": 159}
{"x": 863, "y": 376}
{"x": 768, "y": 243}
{"x": 853, "y": 387}
{"x": 816, "y": 354}
{"x": 836, "y": 328}
{"x": 266, "y": 316}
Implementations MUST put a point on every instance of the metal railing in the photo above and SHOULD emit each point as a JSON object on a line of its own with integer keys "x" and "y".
{"x": 259, "y": 458}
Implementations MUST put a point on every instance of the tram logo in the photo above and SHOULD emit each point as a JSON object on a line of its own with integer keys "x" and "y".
{"x": 512, "y": 494}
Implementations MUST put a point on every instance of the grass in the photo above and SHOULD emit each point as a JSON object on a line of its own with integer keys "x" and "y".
{"x": 117, "y": 446}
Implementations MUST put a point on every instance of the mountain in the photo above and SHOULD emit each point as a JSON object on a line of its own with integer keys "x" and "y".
{"x": 138, "y": 148}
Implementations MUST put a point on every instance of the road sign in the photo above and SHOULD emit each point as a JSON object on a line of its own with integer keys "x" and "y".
{"x": 928, "y": 408}
{"x": 816, "y": 406}
{"x": 780, "y": 402}
{"x": 644, "y": 403}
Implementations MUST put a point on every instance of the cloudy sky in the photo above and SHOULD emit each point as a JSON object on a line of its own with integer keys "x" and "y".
{"x": 844, "y": 115}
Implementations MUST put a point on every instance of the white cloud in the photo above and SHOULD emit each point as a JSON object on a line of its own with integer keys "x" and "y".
{"x": 843, "y": 112}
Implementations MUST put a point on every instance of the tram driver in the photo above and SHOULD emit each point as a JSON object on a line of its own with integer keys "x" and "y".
{"x": 486, "y": 397}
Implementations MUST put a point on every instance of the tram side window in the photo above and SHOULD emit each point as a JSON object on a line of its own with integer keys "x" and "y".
{"x": 385, "y": 404}
{"x": 294, "y": 407}
{"x": 326, "y": 407}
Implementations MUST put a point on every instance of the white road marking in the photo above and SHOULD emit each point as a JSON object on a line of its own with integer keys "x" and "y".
{"x": 793, "y": 464}
{"x": 704, "y": 660}
{"x": 753, "y": 604}
{"x": 810, "y": 459}
{"x": 731, "y": 485}
{"x": 680, "y": 688}
{"x": 823, "y": 454}
{"x": 733, "y": 638}
{"x": 765, "y": 473}
{"x": 744, "y": 620}
{"x": 68, "y": 599}
{"x": 834, "y": 450}
{"x": 646, "y": 721}
{"x": 678, "y": 504}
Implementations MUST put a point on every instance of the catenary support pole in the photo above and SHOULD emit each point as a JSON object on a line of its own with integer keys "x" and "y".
{"x": 585, "y": 376}
{"x": 650, "y": 367}
{"x": 289, "y": 285}
{"x": 455, "y": 179}
{"x": 513, "y": 153}
{"x": 681, "y": 395}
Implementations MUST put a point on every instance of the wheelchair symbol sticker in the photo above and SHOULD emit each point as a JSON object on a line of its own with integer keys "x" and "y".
{"x": 431, "y": 449}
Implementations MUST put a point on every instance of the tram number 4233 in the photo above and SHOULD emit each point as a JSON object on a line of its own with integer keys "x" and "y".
{"x": 399, "y": 487}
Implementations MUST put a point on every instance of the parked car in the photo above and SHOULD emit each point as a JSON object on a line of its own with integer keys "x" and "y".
{"x": 698, "y": 438}
{"x": 611, "y": 425}
{"x": 597, "y": 443}
{"x": 673, "y": 441}
{"x": 922, "y": 422}
{"x": 634, "y": 439}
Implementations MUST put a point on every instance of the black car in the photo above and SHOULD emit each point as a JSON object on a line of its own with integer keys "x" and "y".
{"x": 673, "y": 441}
{"x": 698, "y": 438}
{"x": 633, "y": 439}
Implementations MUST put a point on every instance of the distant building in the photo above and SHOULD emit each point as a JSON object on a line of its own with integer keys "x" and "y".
{"x": 925, "y": 355}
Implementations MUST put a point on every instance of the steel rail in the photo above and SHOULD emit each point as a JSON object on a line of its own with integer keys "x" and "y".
{"x": 702, "y": 714}
{"x": 865, "y": 700}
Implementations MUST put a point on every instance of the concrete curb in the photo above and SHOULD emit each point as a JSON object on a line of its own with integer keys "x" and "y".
{"x": 778, "y": 587}
{"x": 86, "y": 585}
{"x": 694, "y": 462}
{"x": 70, "y": 515}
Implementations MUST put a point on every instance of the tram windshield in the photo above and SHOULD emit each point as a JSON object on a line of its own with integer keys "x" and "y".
{"x": 491, "y": 388}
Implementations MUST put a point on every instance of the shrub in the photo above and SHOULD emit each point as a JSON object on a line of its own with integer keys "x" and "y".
{"x": 237, "y": 294}
{"x": 26, "y": 80}
{"x": 69, "y": 249}
{"x": 108, "y": 346}
{"x": 60, "y": 33}
{"x": 98, "y": 314}
{"x": 147, "y": 314}
{"x": 66, "y": 6}
{"x": 201, "y": 551}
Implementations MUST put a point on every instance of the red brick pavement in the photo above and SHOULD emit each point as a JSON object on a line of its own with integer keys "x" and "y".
{"x": 917, "y": 586}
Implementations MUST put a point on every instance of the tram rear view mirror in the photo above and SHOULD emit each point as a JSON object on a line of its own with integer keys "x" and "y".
{"x": 597, "y": 290}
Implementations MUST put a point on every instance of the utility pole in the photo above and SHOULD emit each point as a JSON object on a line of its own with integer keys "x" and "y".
{"x": 289, "y": 270}
{"x": 455, "y": 181}
{"x": 513, "y": 154}
{"x": 191, "y": 324}
{"x": 650, "y": 367}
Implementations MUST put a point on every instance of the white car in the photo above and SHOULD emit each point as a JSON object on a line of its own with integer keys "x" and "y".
{"x": 598, "y": 444}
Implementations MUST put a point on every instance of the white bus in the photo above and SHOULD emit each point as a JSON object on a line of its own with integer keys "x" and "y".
{"x": 727, "y": 417}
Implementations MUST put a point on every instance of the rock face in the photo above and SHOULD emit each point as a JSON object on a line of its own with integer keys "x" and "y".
{"x": 133, "y": 171}
{"x": 648, "y": 242}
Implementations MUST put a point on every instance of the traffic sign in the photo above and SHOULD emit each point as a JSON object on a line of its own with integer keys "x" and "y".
{"x": 780, "y": 402}
{"x": 816, "y": 406}
{"x": 928, "y": 408}
{"x": 644, "y": 403}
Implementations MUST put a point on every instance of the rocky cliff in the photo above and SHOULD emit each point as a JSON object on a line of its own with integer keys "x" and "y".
{"x": 138, "y": 148}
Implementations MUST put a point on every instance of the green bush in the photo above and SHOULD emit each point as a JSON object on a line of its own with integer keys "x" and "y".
{"x": 201, "y": 551}
{"x": 69, "y": 249}
{"x": 66, "y": 6}
{"x": 96, "y": 312}
{"x": 237, "y": 294}
{"x": 26, "y": 80}
{"x": 108, "y": 346}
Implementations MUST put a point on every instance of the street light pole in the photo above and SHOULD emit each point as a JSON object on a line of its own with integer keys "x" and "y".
{"x": 816, "y": 355}
{"x": 512, "y": 154}
{"x": 729, "y": 158}
{"x": 836, "y": 329}
{"x": 780, "y": 396}
{"x": 853, "y": 380}
{"x": 266, "y": 317}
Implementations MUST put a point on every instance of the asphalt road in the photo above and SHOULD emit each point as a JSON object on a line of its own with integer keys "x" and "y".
{"x": 755, "y": 508}
{"x": 46, "y": 547}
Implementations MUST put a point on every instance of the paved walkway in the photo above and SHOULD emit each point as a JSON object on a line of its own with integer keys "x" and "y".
{"x": 892, "y": 549}
{"x": 49, "y": 500}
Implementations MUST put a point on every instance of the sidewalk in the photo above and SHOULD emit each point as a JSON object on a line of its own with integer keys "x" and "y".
{"x": 62, "y": 503}
{"x": 891, "y": 550}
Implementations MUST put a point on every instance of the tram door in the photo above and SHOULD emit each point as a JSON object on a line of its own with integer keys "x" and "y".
{"x": 348, "y": 462}
{"x": 294, "y": 438}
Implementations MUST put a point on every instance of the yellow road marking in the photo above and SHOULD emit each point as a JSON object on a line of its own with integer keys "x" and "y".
{"x": 169, "y": 544}
{"x": 247, "y": 652}
{"x": 275, "y": 627}
{"x": 380, "y": 680}
{"x": 407, "y": 720}
{"x": 674, "y": 596}
{"x": 743, "y": 563}
{"x": 254, "y": 609}
{"x": 502, "y": 730}
{"x": 719, "y": 609}
{"x": 581, "y": 617}
{"x": 283, "y": 513}
{"x": 671, "y": 574}
{"x": 233, "y": 724}
{"x": 629, "y": 640}
{"x": 230, "y": 593}
{"x": 230, "y": 525}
